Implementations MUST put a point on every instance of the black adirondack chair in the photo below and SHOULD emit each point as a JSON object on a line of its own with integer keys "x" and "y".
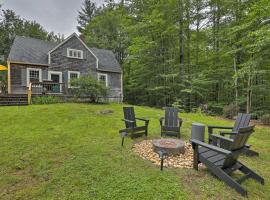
{"x": 222, "y": 162}
{"x": 242, "y": 120}
{"x": 170, "y": 124}
{"x": 132, "y": 128}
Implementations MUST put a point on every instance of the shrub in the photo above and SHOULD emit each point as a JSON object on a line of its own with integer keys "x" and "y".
{"x": 230, "y": 110}
{"x": 46, "y": 100}
{"x": 215, "y": 108}
{"x": 87, "y": 86}
{"x": 265, "y": 119}
{"x": 178, "y": 104}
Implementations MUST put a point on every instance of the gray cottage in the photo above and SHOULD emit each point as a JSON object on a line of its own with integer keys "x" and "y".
{"x": 45, "y": 63}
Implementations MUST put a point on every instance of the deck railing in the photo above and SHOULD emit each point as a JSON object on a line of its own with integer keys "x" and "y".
{"x": 47, "y": 88}
{"x": 44, "y": 88}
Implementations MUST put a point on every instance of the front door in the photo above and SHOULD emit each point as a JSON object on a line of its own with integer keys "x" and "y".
{"x": 55, "y": 77}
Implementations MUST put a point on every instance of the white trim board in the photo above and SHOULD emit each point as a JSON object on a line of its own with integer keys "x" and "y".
{"x": 73, "y": 72}
{"x": 69, "y": 49}
{"x": 122, "y": 93}
{"x": 55, "y": 72}
{"x": 106, "y": 75}
{"x": 68, "y": 38}
{"x": 33, "y": 69}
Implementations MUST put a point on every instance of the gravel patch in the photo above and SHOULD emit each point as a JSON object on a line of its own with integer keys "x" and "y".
{"x": 145, "y": 150}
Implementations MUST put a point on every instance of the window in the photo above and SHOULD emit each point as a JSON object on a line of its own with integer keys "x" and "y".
{"x": 103, "y": 78}
{"x": 55, "y": 76}
{"x": 72, "y": 75}
{"x": 33, "y": 75}
{"x": 73, "y": 53}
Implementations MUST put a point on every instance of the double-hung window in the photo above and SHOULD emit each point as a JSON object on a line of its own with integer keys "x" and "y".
{"x": 103, "y": 78}
{"x": 72, "y": 75}
{"x": 74, "y": 53}
{"x": 33, "y": 76}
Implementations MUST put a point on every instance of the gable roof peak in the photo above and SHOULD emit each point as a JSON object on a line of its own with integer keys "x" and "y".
{"x": 67, "y": 39}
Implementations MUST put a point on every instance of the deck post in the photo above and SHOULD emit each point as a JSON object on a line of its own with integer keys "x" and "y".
{"x": 9, "y": 80}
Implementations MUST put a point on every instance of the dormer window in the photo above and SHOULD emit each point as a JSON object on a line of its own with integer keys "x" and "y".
{"x": 74, "y": 53}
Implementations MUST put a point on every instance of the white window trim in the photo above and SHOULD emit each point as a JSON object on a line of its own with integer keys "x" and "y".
{"x": 68, "y": 49}
{"x": 28, "y": 73}
{"x": 72, "y": 72}
{"x": 55, "y": 72}
{"x": 122, "y": 94}
{"x": 106, "y": 75}
{"x": 60, "y": 77}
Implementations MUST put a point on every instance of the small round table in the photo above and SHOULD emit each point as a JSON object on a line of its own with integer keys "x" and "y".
{"x": 168, "y": 146}
{"x": 197, "y": 131}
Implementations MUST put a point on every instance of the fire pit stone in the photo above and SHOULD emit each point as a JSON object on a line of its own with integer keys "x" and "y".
{"x": 171, "y": 146}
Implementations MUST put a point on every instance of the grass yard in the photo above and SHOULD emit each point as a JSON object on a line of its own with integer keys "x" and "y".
{"x": 70, "y": 151}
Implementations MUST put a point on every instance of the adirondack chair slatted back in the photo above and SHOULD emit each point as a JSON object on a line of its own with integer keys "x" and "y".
{"x": 242, "y": 120}
{"x": 171, "y": 117}
{"x": 129, "y": 114}
{"x": 238, "y": 144}
{"x": 241, "y": 138}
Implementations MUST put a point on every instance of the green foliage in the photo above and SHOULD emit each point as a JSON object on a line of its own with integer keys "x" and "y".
{"x": 88, "y": 11}
{"x": 198, "y": 52}
{"x": 87, "y": 86}
{"x": 230, "y": 111}
{"x": 50, "y": 99}
{"x": 215, "y": 108}
{"x": 12, "y": 24}
{"x": 265, "y": 119}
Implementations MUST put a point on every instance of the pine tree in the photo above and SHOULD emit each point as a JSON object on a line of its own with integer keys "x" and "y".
{"x": 87, "y": 13}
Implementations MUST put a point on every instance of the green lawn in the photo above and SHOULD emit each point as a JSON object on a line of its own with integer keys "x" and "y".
{"x": 70, "y": 151}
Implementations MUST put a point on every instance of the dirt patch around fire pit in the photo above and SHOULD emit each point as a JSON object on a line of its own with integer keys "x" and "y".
{"x": 145, "y": 150}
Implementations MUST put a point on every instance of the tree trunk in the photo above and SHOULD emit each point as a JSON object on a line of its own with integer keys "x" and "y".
{"x": 235, "y": 81}
{"x": 181, "y": 38}
{"x": 249, "y": 93}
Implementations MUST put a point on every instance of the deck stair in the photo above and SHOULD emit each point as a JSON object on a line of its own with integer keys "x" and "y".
{"x": 13, "y": 100}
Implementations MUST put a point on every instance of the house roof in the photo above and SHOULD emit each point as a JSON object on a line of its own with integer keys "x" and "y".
{"x": 106, "y": 60}
{"x": 35, "y": 51}
{"x": 30, "y": 50}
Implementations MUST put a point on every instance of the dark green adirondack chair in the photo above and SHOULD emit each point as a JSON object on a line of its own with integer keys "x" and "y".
{"x": 223, "y": 162}
{"x": 242, "y": 120}
{"x": 171, "y": 123}
{"x": 132, "y": 128}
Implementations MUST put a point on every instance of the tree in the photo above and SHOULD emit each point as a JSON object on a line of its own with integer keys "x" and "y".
{"x": 11, "y": 25}
{"x": 55, "y": 37}
{"x": 87, "y": 13}
{"x": 189, "y": 52}
{"x": 108, "y": 31}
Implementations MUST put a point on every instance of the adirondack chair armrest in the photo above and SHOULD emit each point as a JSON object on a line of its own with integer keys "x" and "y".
{"x": 142, "y": 119}
{"x": 210, "y": 128}
{"x": 219, "y": 127}
{"x": 209, "y": 146}
{"x": 126, "y": 120}
{"x": 222, "y": 138}
{"x": 146, "y": 121}
{"x": 227, "y": 133}
{"x": 123, "y": 132}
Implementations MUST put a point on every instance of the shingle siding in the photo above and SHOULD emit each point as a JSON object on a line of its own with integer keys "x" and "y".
{"x": 32, "y": 51}
{"x": 60, "y": 61}
{"x": 18, "y": 74}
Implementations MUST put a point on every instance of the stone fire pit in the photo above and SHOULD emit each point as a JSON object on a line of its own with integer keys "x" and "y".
{"x": 180, "y": 160}
{"x": 171, "y": 146}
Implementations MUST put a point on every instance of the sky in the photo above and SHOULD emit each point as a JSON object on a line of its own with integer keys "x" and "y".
{"x": 59, "y": 16}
